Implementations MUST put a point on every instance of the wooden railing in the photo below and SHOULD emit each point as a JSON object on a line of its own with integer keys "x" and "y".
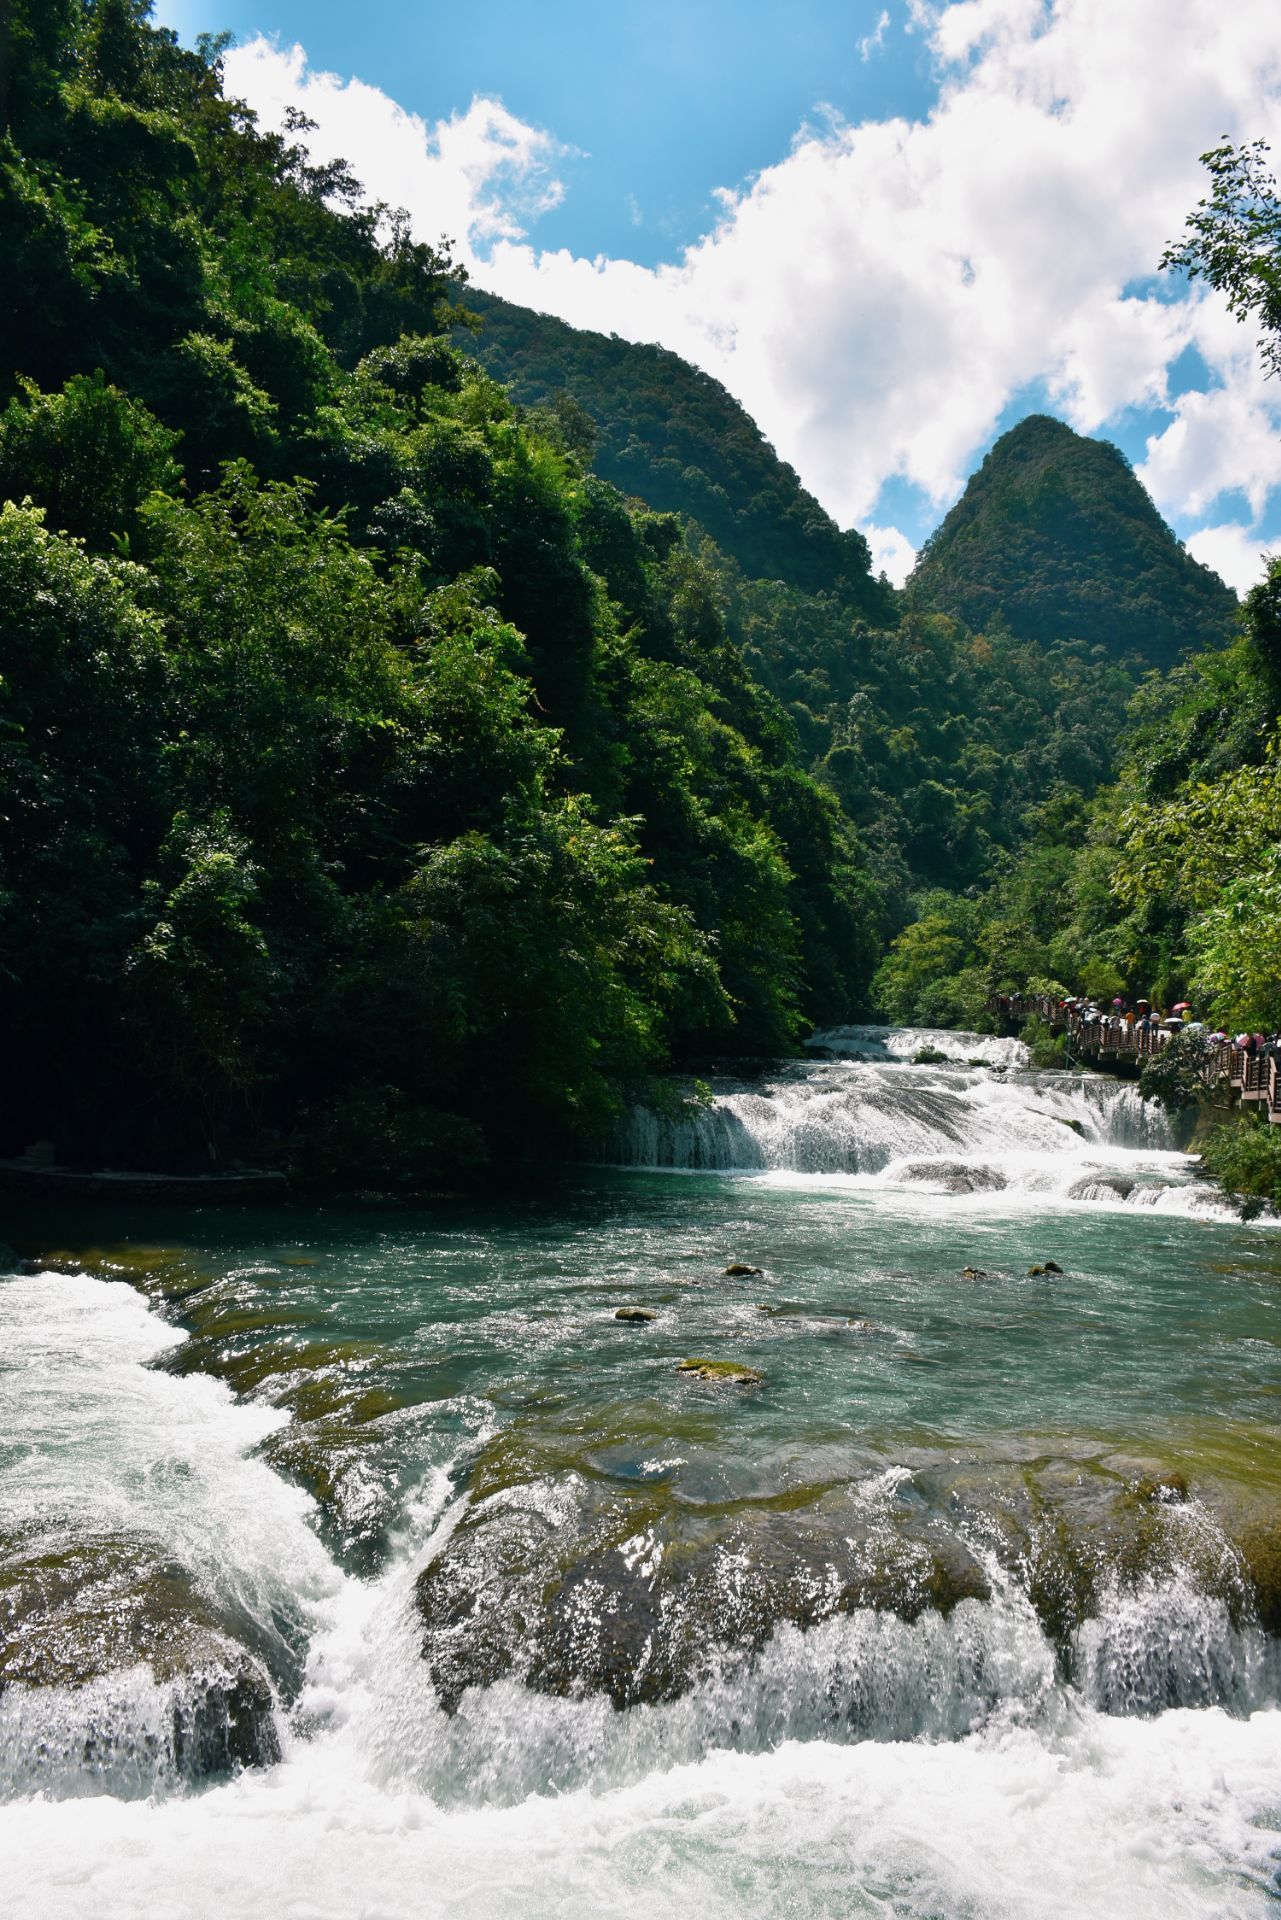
{"x": 1251, "y": 1075}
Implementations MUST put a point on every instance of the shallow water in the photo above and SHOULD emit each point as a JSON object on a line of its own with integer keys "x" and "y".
{"x": 966, "y": 1606}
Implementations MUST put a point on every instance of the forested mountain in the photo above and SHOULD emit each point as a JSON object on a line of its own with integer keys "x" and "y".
{"x": 938, "y": 741}
{"x": 1055, "y": 539}
{"x": 670, "y": 435}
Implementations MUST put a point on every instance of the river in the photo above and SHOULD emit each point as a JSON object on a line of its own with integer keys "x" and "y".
{"x": 360, "y": 1561}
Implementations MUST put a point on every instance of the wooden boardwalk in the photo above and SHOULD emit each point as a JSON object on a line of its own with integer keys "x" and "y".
{"x": 1232, "y": 1074}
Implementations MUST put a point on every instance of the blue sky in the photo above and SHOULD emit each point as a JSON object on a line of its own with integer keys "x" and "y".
{"x": 659, "y": 103}
{"x": 891, "y": 229}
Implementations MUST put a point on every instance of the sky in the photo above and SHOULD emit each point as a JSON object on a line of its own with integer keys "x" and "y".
{"x": 891, "y": 230}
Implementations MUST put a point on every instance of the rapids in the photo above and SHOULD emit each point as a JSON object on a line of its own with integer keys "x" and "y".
{"x": 361, "y": 1561}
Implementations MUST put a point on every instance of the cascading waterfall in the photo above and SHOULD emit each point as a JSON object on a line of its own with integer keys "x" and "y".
{"x": 979, "y": 1123}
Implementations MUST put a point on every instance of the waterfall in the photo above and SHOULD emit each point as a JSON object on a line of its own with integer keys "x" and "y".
{"x": 978, "y": 1123}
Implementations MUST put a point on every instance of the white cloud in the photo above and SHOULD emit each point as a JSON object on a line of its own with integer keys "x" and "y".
{"x": 892, "y": 552}
{"x": 880, "y": 296}
{"x": 873, "y": 42}
{"x": 478, "y": 177}
{"x": 1236, "y": 554}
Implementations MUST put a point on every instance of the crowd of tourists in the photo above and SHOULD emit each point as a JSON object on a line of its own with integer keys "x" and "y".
{"x": 1118, "y": 1026}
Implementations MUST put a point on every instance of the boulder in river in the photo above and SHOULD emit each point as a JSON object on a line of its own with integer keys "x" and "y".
{"x": 955, "y": 1176}
{"x": 737, "y": 1271}
{"x": 75, "y": 1609}
{"x": 578, "y": 1585}
{"x": 635, "y": 1316}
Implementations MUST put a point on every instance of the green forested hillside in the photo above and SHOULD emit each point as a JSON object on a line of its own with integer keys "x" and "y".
{"x": 376, "y": 782}
{"x": 1055, "y": 539}
{"x": 672, "y": 436}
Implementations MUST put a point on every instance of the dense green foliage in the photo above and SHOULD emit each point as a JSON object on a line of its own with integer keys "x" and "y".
{"x": 1055, "y": 539}
{"x": 672, "y": 436}
{"x": 1244, "y": 1156}
{"x": 1174, "y": 1077}
{"x": 1164, "y": 883}
{"x": 375, "y": 780}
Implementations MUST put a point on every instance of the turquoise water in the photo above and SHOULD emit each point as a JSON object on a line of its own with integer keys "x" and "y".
{"x": 960, "y": 1599}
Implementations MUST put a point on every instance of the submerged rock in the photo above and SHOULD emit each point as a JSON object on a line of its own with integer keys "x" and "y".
{"x": 1169, "y": 1488}
{"x": 636, "y": 1315}
{"x": 737, "y": 1271}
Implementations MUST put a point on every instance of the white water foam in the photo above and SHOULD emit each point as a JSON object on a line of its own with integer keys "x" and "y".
{"x": 98, "y": 1444}
{"x": 869, "y": 1042}
{"x": 1155, "y": 1820}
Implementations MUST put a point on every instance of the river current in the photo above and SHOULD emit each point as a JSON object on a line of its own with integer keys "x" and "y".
{"x": 362, "y": 1561}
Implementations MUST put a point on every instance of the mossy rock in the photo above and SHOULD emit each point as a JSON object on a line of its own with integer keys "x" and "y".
{"x": 75, "y": 1607}
{"x": 731, "y": 1371}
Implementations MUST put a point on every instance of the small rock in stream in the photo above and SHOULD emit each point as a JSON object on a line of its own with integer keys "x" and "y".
{"x": 737, "y": 1271}
{"x": 728, "y": 1370}
{"x": 634, "y": 1315}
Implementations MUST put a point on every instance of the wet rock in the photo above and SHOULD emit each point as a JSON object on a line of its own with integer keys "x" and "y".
{"x": 974, "y": 1273}
{"x": 731, "y": 1371}
{"x": 636, "y": 1596}
{"x": 77, "y": 1608}
{"x": 1099, "y": 1185}
{"x": 1044, "y": 1270}
{"x": 1169, "y": 1488}
{"x": 576, "y": 1583}
{"x": 737, "y": 1271}
{"x": 636, "y": 1316}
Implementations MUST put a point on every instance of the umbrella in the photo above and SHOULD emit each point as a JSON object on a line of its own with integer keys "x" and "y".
{"x": 1118, "y": 1002}
{"x": 1181, "y": 1006}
